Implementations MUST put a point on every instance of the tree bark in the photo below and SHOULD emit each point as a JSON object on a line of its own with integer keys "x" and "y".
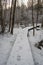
{"x": 1, "y": 18}
{"x": 10, "y": 15}
{"x": 33, "y": 20}
{"x": 38, "y": 9}
{"x": 13, "y": 17}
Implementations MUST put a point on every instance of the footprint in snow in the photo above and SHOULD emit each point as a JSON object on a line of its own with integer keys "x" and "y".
{"x": 11, "y": 41}
{"x": 18, "y": 58}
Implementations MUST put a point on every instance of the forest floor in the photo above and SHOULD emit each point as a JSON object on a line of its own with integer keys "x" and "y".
{"x": 18, "y": 49}
{"x": 6, "y": 43}
{"x": 37, "y": 52}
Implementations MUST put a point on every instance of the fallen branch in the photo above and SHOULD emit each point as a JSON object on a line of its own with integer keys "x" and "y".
{"x": 33, "y": 28}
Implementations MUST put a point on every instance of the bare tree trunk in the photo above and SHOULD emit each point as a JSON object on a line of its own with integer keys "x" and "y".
{"x": 5, "y": 13}
{"x": 10, "y": 15}
{"x": 1, "y": 17}
{"x": 38, "y": 8}
{"x": 33, "y": 20}
{"x": 42, "y": 23}
{"x": 13, "y": 17}
{"x": 37, "y": 18}
{"x": 37, "y": 12}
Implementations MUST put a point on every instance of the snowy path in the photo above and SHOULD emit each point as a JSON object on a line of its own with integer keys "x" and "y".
{"x": 6, "y": 44}
{"x": 21, "y": 52}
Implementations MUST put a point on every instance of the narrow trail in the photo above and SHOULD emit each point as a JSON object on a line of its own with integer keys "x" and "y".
{"x": 21, "y": 52}
{"x": 6, "y": 44}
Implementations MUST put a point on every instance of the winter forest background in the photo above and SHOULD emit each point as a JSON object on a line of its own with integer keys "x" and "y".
{"x": 23, "y": 11}
{"x": 21, "y": 32}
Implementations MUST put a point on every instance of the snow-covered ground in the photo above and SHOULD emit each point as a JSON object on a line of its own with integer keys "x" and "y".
{"x": 6, "y": 43}
{"x": 18, "y": 49}
{"x": 21, "y": 52}
{"x": 37, "y": 53}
